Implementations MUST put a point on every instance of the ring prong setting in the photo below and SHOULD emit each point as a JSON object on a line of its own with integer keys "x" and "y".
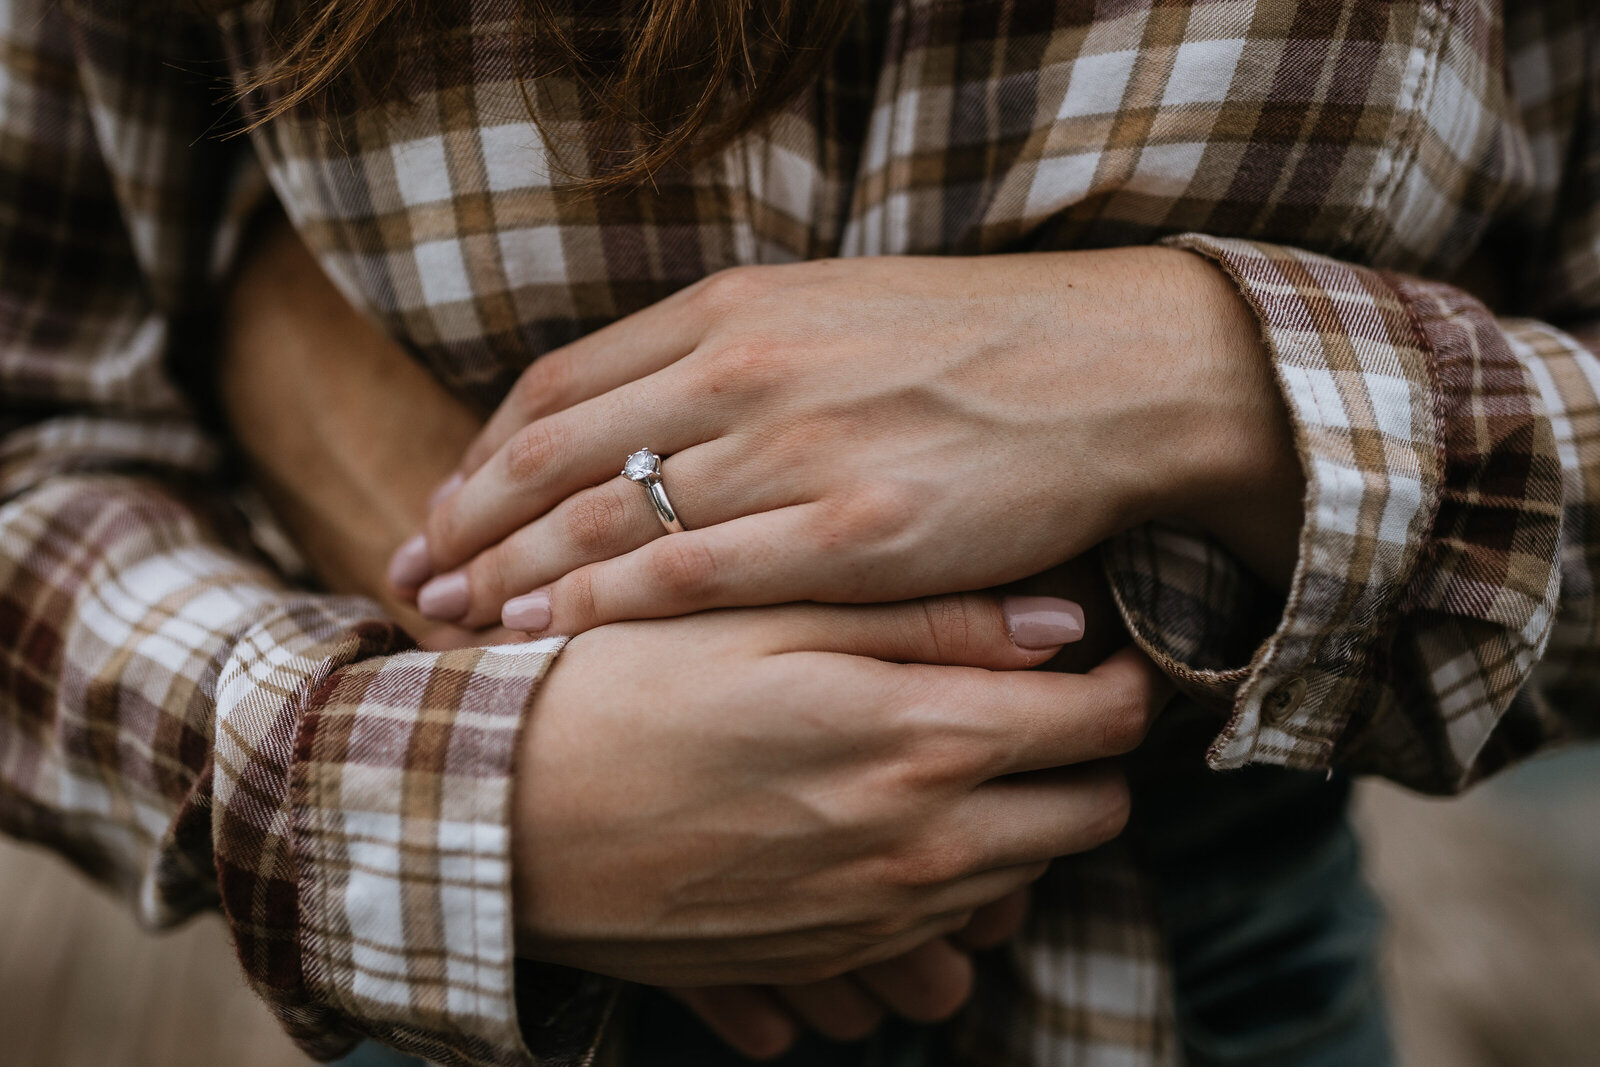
{"x": 643, "y": 466}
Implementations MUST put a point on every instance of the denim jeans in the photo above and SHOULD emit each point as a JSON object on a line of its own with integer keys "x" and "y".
{"x": 1273, "y": 933}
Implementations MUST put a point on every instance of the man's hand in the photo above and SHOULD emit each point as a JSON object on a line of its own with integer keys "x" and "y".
{"x": 782, "y": 795}
{"x": 927, "y": 984}
{"x": 931, "y": 982}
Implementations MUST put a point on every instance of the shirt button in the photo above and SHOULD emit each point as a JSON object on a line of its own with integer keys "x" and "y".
{"x": 1284, "y": 701}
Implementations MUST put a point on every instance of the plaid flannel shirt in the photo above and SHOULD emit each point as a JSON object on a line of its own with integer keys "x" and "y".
{"x": 194, "y": 731}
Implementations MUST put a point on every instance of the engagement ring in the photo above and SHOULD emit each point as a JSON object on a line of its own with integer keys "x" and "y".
{"x": 644, "y": 467}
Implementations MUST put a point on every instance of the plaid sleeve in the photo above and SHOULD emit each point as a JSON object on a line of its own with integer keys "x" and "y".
{"x": 1450, "y": 498}
{"x": 1443, "y": 618}
{"x": 174, "y": 718}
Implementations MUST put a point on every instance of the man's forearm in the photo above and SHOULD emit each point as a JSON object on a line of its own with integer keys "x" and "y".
{"x": 346, "y": 433}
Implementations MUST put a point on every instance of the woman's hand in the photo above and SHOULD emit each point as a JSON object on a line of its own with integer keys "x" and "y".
{"x": 865, "y": 430}
{"x": 782, "y": 795}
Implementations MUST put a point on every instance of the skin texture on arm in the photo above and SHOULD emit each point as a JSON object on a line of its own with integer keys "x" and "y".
{"x": 346, "y": 435}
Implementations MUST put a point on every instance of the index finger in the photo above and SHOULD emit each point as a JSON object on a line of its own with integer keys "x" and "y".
{"x": 1037, "y": 720}
{"x": 614, "y": 355}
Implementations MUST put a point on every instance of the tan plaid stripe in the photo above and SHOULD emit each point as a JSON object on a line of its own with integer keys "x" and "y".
{"x": 1086, "y": 984}
{"x": 194, "y": 732}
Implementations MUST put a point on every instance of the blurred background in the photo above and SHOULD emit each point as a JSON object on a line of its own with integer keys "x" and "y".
{"x": 1493, "y": 961}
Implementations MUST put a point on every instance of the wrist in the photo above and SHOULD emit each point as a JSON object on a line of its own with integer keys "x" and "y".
{"x": 1239, "y": 475}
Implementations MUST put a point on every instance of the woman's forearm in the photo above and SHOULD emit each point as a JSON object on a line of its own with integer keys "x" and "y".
{"x": 345, "y": 433}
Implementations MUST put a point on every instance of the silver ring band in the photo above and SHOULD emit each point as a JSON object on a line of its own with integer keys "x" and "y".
{"x": 644, "y": 467}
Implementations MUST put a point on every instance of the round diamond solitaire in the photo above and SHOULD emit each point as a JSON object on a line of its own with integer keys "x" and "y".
{"x": 642, "y": 466}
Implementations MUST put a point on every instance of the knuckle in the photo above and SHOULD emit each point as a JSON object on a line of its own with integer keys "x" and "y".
{"x": 731, "y": 289}
{"x": 747, "y": 365}
{"x": 444, "y": 535}
{"x": 874, "y": 515}
{"x": 531, "y": 450}
{"x": 544, "y": 386}
{"x": 935, "y": 744}
{"x": 575, "y": 593}
{"x": 1114, "y": 806}
{"x": 943, "y": 759}
{"x": 926, "y": 867}
{"x": 449, "y": 540}
{"x": 1125, "y": 719}
{"x": 592, "y": 521}
{"x": 486, "y": 578}
{"x": 682, "y": 566}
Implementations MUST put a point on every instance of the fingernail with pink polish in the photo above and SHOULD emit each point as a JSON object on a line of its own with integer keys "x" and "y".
{"x": 445, "y": 490}
{"x": 530, "y": 613}
{"x": 410, "y": 566}
{"x": 1038, "y": 622}
{"x": 446, "y": 598}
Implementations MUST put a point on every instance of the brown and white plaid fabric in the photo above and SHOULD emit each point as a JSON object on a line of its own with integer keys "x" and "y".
{"x": 194, "y": 731}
